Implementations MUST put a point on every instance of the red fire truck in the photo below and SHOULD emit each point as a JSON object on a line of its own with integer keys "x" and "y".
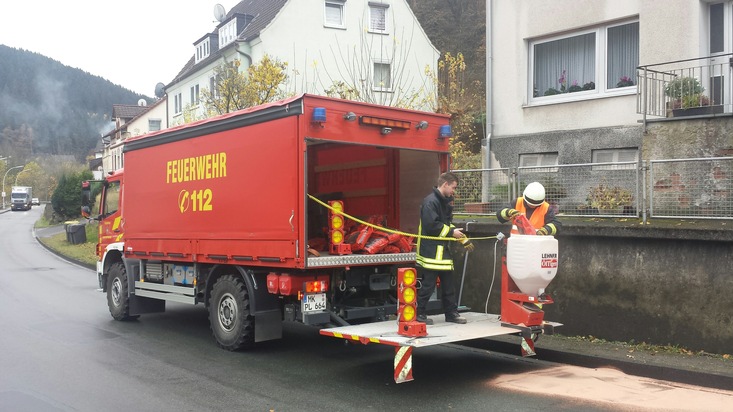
{"x": 230, "y": 212}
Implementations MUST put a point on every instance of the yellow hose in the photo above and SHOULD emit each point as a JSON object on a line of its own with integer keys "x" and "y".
{"x": 384, "y": 229}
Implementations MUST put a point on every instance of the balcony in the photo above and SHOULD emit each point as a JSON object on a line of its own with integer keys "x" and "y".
{"x": 684, "y": 88}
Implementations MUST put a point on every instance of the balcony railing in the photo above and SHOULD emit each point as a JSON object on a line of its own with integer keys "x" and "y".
{"x": 691, "y": 87}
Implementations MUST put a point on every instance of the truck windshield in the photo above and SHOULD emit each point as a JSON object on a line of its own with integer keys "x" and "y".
{"x": 18, "y": 196}
{"x": 111, "y": 198}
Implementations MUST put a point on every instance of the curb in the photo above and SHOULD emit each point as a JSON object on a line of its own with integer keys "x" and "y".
{"x": 66, "y": 258}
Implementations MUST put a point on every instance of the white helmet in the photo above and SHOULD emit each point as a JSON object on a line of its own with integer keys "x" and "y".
{"x": 534, "y": 194}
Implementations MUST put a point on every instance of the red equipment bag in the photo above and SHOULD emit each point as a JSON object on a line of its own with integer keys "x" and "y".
{"x": 523, "y": 225}
{"x": 390, "y": 249}
{"x": 405, "y": 244}
{"x": 375, "y": 244}
{"x": 359, "y": 239}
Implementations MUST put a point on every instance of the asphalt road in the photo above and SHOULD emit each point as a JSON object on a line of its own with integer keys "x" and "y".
{"x": 61, "y": 351}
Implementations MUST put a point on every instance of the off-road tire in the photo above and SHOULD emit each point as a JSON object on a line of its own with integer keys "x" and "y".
{"x": 229, "y": 316}
{"x": 118, "y": 298}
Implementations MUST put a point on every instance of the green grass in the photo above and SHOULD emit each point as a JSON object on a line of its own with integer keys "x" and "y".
{"x": 650, "y": 348}
{"x": 85, "y": 252}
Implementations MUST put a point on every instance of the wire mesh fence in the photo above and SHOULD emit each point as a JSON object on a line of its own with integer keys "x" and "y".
{"x": 699, "y": 188}
{"x": 676, "y": 188}
{"x": 482, "y": 191}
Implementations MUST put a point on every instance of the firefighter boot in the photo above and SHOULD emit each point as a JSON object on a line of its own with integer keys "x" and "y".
{"x": 455, "y": 317}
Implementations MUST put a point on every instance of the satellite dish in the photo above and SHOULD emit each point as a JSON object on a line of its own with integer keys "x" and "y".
{"x": 159, "y": 90}
{"x": 142, "y": 102}
{"x": 220, "y": 13}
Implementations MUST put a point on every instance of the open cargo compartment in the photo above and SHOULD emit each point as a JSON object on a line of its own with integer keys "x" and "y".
{"x": 383, "y": 181}
{"x": 371, "y": 181}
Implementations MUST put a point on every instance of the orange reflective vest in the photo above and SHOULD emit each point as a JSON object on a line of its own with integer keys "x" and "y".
{"x": 537, "y": 220}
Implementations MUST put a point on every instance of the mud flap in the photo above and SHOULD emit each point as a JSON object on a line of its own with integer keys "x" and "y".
{"x": 268, "y": 325}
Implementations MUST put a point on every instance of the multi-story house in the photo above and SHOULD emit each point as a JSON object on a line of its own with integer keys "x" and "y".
{"x": 574, "y": 82}
{"x": 375, "y": 46}
{"x": 565, "y": 86}
{"x": 130, "y": 120}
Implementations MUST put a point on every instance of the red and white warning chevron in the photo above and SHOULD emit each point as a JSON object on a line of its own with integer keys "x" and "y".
{"x": 403, "y": 364}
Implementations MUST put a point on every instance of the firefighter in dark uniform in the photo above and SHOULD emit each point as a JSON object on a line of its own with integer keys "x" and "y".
{"x": 433, "y": 256}
{"x": 533, "y": 205}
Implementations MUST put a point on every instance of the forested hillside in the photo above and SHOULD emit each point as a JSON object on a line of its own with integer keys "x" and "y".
{"x": 49, "y": 108}
{"x": 456, "y": 26}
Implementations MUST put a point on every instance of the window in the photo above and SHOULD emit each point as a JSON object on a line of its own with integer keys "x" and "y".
{"x": 202, "y": 50}
{"x": 111, "y": 198}
{"x": 154, "y": 125}
{"x": 334, "y": 14}
{"x": 378, "y": 17}
{"x": 630, "y": 154}
{"x": 622, "y": 55}
{"x": 587, "y": 64}
{"x": 177, "y": 104}
{"x": 212, "y": 87}
{"x": 382, "y": 76}
{"x": 195, "y": 95}
{"x": 227, "y": 33}
{"x": 539, "y": 160}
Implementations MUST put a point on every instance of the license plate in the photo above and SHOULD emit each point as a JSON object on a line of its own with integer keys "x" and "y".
{"x": 313, "y": 303}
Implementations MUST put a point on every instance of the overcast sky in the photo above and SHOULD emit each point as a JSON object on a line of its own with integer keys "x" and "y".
{"x": 132, "y": 43}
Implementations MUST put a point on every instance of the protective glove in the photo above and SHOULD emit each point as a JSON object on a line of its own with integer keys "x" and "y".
{"x": 467, "y": 244}
{"x": 542, "y": 231}
{"x": 511, "y": 213}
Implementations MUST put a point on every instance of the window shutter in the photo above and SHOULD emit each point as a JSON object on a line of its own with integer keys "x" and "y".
{"x": 378, "y": 17}
{"x": 334, "y": 14}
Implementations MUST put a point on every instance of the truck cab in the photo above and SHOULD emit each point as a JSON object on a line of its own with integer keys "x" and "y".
{"x": 21, "y": 198}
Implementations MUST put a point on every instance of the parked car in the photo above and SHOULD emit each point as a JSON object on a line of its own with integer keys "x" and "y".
{"x": 35, "y": 201}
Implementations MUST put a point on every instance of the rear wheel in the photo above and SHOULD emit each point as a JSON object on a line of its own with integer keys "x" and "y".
{"x": 118, "y": 298}
{"x": 229, "y": 316}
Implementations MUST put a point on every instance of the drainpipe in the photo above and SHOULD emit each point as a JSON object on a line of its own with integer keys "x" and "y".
{"x": 244, "y": 54}
{"x": 489, "y": 67}
{"x": 489, "y": 104}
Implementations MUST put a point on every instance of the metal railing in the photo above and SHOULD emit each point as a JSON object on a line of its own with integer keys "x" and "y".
{"x": 674, "y": 188}
{"x": 690, "y": 87}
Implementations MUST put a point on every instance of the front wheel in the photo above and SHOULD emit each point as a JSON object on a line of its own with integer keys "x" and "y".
{"x": 229, "y": 316}
{"x": 118, "y": 297}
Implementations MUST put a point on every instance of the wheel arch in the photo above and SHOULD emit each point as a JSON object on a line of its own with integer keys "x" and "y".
{"x": 112, "y": 255}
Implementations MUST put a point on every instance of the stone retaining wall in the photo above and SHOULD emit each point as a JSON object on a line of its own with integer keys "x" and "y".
{"x": 627, "y": 282}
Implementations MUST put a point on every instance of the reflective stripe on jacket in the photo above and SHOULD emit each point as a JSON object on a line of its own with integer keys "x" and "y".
{"x": 436, "y": 213}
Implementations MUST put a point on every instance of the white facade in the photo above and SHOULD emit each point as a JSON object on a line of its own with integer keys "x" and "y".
{"x": 324, "y": 41}
{"x": 533, "y": 42}
{"x": 153, "y": 119}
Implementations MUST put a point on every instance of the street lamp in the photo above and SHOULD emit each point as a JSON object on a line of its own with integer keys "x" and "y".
{"x": 6, "y": 175}
{"x": 16, "y": 176}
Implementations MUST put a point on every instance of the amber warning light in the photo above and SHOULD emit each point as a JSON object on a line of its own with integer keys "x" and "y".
{"x": 382, "y": 122}
{"x": 407, "y": 298}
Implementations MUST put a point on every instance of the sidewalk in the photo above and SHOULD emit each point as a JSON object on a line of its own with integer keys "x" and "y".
{"x": 711, "y": 371}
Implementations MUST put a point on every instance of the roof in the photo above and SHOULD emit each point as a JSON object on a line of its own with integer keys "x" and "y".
{"x": 262, "y": 12}
{"x": 127, "y": 111}
{"x": 130, "y": 119}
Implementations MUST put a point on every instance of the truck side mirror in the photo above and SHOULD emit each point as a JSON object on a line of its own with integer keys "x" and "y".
{"x": 86, "y": 212}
